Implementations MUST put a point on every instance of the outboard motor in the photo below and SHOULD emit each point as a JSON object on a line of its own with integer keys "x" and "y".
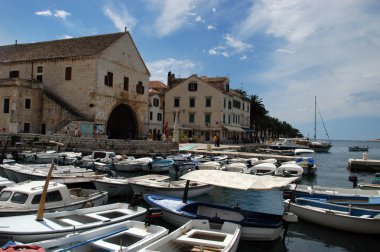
{"x": 136, "y": 200}
{"x": 354, "y": 180}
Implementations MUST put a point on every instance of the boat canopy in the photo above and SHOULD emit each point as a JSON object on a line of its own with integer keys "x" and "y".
{"x": 237, "y": 180}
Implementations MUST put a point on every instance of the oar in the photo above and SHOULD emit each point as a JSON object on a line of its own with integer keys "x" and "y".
{"x": 93, "y": 240}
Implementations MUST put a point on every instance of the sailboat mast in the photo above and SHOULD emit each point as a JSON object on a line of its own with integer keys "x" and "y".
{"x": 315, "y": 117}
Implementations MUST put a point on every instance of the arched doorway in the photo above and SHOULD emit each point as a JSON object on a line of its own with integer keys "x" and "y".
{"x": 122, "y": 123}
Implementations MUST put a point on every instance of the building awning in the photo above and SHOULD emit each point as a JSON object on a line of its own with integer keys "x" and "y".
{"x": 247, "y": 130}
{"x": 233, "y": 128}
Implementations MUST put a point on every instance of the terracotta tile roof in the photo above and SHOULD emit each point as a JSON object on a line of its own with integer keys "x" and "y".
{"x": 83, "y": 46}
{"x": 157, "y": 85}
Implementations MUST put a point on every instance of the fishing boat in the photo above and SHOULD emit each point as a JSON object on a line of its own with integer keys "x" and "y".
{"x": 358, "y": 148}
{"x": 234, "y": 167}
{"x": 345, "y": 218}
{"x": 179, "y": 169}
{"x": 132, "y": 165}
{"x": 307, "y": 163}
{"x": 120, "y": 186}
{"x": 199, "y": 235}
{"x": 24, "y": 198}
{"x": 369, "y": 199}
{"x": 107, "y": 157}
{"x": 28, "y": 228}
{"x": 169, "y": 188}
{"x": 374, "y": 185}
{"x": 255, "y": 225}
{"x": 263, "y": 169}
{"x": 124, "y": 236}
{"x": 289, "y": 170}
{"x": 159, "y": 165}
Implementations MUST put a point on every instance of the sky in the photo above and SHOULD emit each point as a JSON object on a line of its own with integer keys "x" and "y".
{"x": 287, "y": 52}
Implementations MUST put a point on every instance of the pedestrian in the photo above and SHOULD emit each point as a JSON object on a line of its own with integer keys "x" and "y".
{"x": 76, "y": 132}
{"x": 215, "y": 140}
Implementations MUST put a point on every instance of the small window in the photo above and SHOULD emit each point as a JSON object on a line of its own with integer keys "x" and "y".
{"x": 19, "y": 198}
{"x": 208, "y": 101}
{"x": 6, "y": 105}
{"x": 4, "y": 196}
{"x": 191, "y": 118}
{"x": 126, "y": 83}
{"x": 26, "y": 127}
{"x": 224, "y": 118}
{"x": 156, "y": 102}
{"x": 108, "y": 79}
{"x": 53, "y": 196}
{"x": 40, "y": 69}
{"x": 229, "y": 104}
{"x": 192, "y": 102}
{"x": 207, "y": 118}
{"x": 140, "y": 88}
{"x": 14, "y": 74}
{"x": 193, "y": 86}
{"x": 39, "y": 78}
{"x": 28, "y": 103}
{"x": 176, "y": 102}
{"x": 159, "y": 117}
{"x": 68, "y": 73}
{"x": 151, "y": 115}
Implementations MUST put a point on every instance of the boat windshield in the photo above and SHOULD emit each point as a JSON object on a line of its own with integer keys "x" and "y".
{"x": 19, "y": 198}
{"x": 4, "y": 196}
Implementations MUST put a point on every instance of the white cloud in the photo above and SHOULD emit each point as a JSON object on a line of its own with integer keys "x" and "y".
{"x": 213, "y": 10}
{"x": 199, "y": 19}
{"x": 159, "y": 69}
{"x": 44, "y": 13}
{"x": 120, "y": 17}
{"x": 332, "y": 51}
{"x": 65, "y": 36}
{"x": 61, "y": 14}
{"x": 244, "y": 57}
{"x": 231, "y": 46}
{"x": 211, "y": 27}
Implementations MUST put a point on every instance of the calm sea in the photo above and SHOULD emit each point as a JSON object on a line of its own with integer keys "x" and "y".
{"x": 304, "y": 236}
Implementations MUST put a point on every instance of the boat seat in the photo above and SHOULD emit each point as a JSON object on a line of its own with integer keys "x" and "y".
{"x": 70, "y": 222}
{"x": 187, "y": 239}
{"x": 365, "y": 216}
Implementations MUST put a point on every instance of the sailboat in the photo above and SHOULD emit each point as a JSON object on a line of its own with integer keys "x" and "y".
{"x": 315, "y": 145}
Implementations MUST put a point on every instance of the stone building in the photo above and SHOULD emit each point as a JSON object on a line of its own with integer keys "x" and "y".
{"x": 101, "y": 82}
{"x": 157, "y": 91}
{"x": 206, "y": 107}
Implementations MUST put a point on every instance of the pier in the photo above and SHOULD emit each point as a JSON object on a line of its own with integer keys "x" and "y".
{"x": 363, "y": 165}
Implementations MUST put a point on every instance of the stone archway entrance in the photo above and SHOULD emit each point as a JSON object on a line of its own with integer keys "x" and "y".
{"x": 122, "y": 123}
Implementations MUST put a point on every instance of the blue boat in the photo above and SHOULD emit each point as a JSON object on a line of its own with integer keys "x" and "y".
{"x": 159, "y": 165}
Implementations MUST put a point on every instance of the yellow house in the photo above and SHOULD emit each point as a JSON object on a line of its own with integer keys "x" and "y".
{"x": 205, "y": 107}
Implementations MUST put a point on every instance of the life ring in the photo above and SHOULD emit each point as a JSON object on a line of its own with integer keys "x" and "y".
{"x": 23, "y": 248}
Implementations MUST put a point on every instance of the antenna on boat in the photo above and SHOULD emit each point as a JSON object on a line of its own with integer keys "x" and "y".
{"x": 41, "y": 208}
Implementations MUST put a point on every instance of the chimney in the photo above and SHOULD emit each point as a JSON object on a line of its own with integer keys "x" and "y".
{"x": 16, "y": 42}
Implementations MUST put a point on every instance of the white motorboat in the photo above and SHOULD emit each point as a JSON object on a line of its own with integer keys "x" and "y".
{"x": 169, "y": 188}
{"x": 25, "y": 197}
{"x": 27, "y": 229}
{"x": 345, "y": 218}
{"x": 49, "y": 156}
{"x": 255, "y": 225}
{"x": 132, "y": 165}
{"x": 289, "y": 170}
{"x": 263, "y": 169}
{"x": 199, "y": 235}
{"x": 4, "y": 182}
{"x": 234, "y": 167}
{"x": 120, "y": 186}
{"x": 124, "y": 236}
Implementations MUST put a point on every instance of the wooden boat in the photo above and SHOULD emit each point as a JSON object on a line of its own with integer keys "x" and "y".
{"x": 169, "y": 188}
{"x": 199, "y": 235}
{"x": 120, "y": 186}
{"x": 369, "y": 199}
{"x": 46, "y": 157}
{"x": 345, "y": 218}
{"x": 159, "y": 165}
{"x": 289, "y": 170}
{"x": 24, "y": 198}
{"x": 358, "y": 148}
{"x": 255, "y": 225}
{"x": 132, "y": 165}
{"x": 124, "y": 236}
{"x": 26, "y": 228}
{"x": 61, "y": 174}
{"x": 263, "y": 169}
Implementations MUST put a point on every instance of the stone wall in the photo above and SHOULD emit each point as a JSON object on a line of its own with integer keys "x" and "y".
{"x": 35, "y": 142}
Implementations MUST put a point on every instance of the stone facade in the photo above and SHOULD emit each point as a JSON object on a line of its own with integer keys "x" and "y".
{"x": 206, "y": 107}
{"x": 84, "y": 79}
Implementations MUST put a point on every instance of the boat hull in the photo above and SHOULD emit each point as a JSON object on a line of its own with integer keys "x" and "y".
{"x": 171, "y": 191}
